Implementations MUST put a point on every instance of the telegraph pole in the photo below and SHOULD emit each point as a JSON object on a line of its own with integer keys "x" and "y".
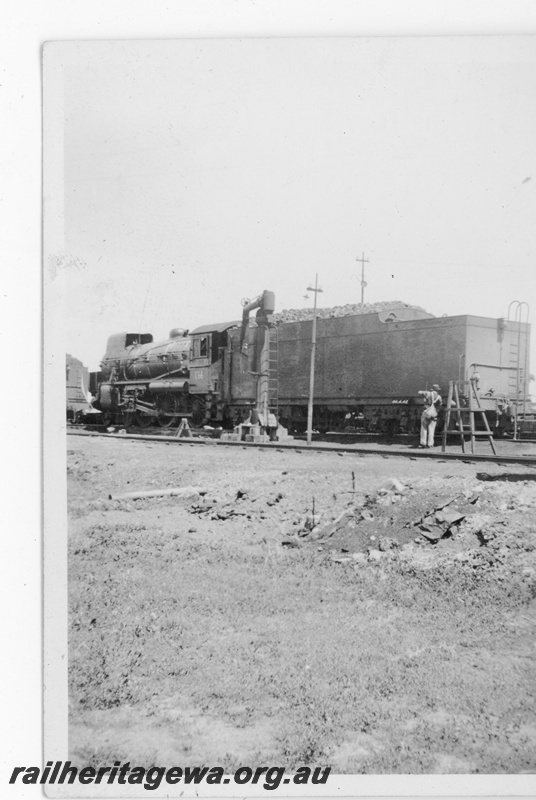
{"x": 363, "y": 282}
{"x": 312, "y": 373}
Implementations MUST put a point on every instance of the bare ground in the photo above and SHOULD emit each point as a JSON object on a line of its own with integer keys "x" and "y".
{"x": 390, "y": 631}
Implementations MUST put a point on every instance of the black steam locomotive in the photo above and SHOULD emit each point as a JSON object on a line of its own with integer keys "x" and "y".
{"x": 214, "y": 374}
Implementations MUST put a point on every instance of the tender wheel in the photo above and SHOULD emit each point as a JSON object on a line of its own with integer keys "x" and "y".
{"x": 392, "y": 426}
{"x": 166, "y": 407}
{"x": 199, "y": 411}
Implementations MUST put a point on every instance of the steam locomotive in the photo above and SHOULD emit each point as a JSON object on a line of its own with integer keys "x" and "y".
{"x": 214, "y": 374}
{"x": 369, "y": 368}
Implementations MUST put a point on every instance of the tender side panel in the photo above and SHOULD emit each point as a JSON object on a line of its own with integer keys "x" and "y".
{"x": 360, "y": 358}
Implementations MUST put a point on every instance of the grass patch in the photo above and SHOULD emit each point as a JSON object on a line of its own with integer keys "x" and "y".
{"x": 374, "y": 670}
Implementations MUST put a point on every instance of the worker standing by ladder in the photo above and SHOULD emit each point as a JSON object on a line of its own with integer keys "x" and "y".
{"x": 432, "y": 401}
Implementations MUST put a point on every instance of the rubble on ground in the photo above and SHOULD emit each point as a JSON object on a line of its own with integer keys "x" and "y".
{"x": 475, "y": 525}
{"x": 480, "y": 528}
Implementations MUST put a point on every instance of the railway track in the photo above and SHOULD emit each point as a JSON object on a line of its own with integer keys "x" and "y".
{"x": 199, "y": 437}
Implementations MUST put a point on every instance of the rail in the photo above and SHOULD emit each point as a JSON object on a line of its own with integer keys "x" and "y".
{"x": 386, "y": 451}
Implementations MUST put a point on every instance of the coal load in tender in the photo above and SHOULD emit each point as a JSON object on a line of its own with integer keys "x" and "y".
{"x": 301, "y": 314}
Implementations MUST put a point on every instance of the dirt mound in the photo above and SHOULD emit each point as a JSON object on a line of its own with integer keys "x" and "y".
{"x": 442, "y": 515}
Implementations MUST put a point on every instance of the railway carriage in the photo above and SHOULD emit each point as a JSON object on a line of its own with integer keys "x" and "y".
{"x": 77, "y": 385}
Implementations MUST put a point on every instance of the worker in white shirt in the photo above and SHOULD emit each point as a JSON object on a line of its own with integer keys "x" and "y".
{"x": 432, "y": 402}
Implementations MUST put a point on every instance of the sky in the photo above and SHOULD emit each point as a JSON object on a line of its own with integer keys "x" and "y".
{"x": 201, "y": 172}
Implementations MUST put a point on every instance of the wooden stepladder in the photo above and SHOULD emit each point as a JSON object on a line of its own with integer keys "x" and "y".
{"x": 184, "y": 429}
{"x": 465, "y": 416}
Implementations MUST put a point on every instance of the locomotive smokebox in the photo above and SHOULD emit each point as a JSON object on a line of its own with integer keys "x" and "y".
{"x": 108, "y": 397}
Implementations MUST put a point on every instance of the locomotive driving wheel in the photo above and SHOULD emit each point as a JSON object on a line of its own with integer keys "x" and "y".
{"x": 144, "y": 420}
{"x": 199, "y": 411}
{"x": 128, "y": 418}
{"x": 166, "y": 408}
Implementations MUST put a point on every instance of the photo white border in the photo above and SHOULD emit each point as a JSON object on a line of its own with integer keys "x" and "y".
{"x": 30, "y": 24}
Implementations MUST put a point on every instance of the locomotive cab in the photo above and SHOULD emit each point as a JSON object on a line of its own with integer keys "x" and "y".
{"x": 208, "y": 344}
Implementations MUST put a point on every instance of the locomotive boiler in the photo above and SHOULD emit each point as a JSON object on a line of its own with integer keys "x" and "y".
{"x": 144, "y": 382}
